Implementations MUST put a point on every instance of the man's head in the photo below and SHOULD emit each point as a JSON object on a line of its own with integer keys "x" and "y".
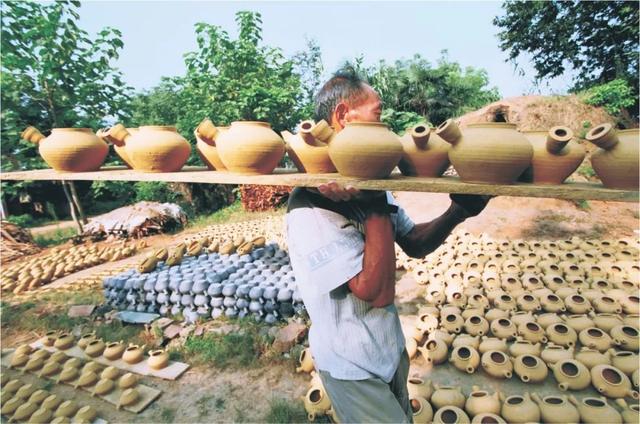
{"x": 345, "y": 98}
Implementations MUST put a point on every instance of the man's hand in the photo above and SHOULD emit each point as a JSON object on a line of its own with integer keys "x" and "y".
{"x": 470, "y": 204}
{"x": 337, "y": 192}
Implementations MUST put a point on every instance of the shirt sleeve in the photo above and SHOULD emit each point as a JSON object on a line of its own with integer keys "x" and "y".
{"x": 326, "y": 249}
{"x": 402, "y": 223}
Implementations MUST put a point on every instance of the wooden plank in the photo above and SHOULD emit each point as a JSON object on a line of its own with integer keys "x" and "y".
{"x": 287, "y": 177}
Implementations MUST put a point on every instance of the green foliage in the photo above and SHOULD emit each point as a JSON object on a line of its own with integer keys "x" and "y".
{"x": 596, "y": 39}
{"x": 54, "y": 74}
{"x": 25, "y": 220}
{"x": 154, "y": 191}
{"x": 55, "y": 237}
{"x": 400, "y": 121}
{"x": 105, "y": 190}
{"x": 431, "y": 93}
{"x": 285, "y": 411}
{"x": 614, "y": 96}
{"x": 221, "y": 350}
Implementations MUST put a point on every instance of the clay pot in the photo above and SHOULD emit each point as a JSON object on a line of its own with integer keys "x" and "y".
{"x": 492, "y": 343}
{"x": 447, "y": 396}
{"x": 466, "y": 340}
{"x": 434, "y": 351}
{"x": 51, "y": 402}
{"x": 630, "y": 304}
{"x": 465, "y": 359}
{"x": 50, "y": 368}
{"x": 495, "y": 313}
{"x": 595, "y": 338}
{"x": 485, "y": 418}
{"x": 627, "y": 362}
{"x": 445, "y": 336}
{"x": 104, "y": 386}
{"x": 632, "y": 320}
{"x": 630, "y": 413}
{"x": 49, "y": 338}
{"x": 127, "y": 381}
{"x": 596, "y": 410}
{"x": 69, "y": 149}
{"x": 88, "y": 378}
{"x": 578, "y": 322}
{"x": 519, "y": 409}
{"x": 552, "y": 303}
{"x": 480, "y": 401}
{"x": 612, "y": 382}
{"x": 571, "y": 374}
{"x": 110, "y": 372}
{"x": 158, "y": 359}
{"x": 532, "y": 332}
{"x": 592, "y": 357}
{"x": 68, "y": 374}
{"x": 95, "y": 348}
{"x": 316, "y": 402}
{"x": 206, "y": 146}
{"x": 86, "y": 414}
{"x": 506, "y": 303}
{"x": 452, "y": 323}
{"x": 530, "y": 368}
{"x": 18, "y": 360}
{"x": 555, "y": 155}
{"x": 422, "y": 411}
{"x": 449, "y": 415}
{"x": 557, "y": 409}
{"x": 606, "y": 322}
{"x": 418, "y": 387}
{"x": 493, "y": 153}
{"x": 64, "y": 341}
{"x": 309, "y": 155}
{"x": 24, "y": 411}
{"x": 497, "y": 364}
{"x": 504, "y": 329}
{"x": 85, "y": 339}
{"x": 626, "y": 337}
{"x": 68, "y": 408}
{"x": 128, "y": 397}
{"x": 524, "y": 347}
{"x": 562, "y": 335}
{"x": 616, "y": 161}
{"x": 527, "y": 302}
{"x": 152, "y": 148}
{"x": 114, "y": 350}
{"x": 133, "y": 354}
{"x": 24, "y": 349}
{"x": 93, "y": 367}
{"x": 38, "y": 396}
{"x": 306, "y": 360}
{"x": 361, "y": 149}
{"x": 606, "y": 305}
{"x": 72, "y": 363}
{"x": 424, "y": 153}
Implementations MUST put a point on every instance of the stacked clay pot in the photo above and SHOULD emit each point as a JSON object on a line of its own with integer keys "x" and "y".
{"x": 69, "y": 149}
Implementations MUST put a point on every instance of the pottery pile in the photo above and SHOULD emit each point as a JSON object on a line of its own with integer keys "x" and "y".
{"x": 221, "y": 279}
{"x": 532, "y": 308}
{"x": 24, "y": 402}
{"x": 59, "y": 262}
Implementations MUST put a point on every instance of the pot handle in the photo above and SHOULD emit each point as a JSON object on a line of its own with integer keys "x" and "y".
{"x": 316, "y": 134}
{"x": 536, "y": 398}
{"x": 206, "y": 131}
{"x": 32, "y": 134}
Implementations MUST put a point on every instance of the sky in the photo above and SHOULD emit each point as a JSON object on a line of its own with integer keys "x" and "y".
{"x": 156, "y": 34}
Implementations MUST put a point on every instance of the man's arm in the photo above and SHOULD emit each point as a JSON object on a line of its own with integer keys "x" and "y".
{"x": 426, "y": 237}
{"x": 376, "y": 282}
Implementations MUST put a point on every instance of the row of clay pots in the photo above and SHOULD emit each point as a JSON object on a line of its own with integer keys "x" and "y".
{"x": 482, "y": 153}
{"x": 25, "y": 403}
{"x": 451, "y": 406}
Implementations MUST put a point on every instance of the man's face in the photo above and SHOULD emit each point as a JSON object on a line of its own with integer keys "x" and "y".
{"x": 367, "y": 109}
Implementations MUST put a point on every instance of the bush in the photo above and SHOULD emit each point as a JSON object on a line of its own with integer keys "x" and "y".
{"x": 154, "y": 191}
{"x": 613, "y": 96}
{"x": 25, "y": 220}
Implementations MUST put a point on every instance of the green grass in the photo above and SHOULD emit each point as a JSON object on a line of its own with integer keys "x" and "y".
{"x": 55, "y": 237}
{"x": 285, "y": 411}
{"x": 228, "y": 214}
{"x": 222, "y": 350}
{"x": 167, "y": 415}
{"x": 586, "y": 171}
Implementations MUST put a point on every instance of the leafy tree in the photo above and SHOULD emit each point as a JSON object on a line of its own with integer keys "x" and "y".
{"x": 597, "y": 39}
{"x": 613, "y": 96}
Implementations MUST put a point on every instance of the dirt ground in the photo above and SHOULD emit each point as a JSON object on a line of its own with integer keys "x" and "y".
{"x": 243, "y": 395}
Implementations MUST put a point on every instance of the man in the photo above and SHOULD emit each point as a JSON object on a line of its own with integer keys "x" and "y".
{"x": 341, "y": 244}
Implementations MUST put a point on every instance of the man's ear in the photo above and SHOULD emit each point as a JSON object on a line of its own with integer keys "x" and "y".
{"x": 340, "y": 116}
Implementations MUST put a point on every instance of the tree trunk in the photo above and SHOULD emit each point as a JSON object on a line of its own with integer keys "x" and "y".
{"x": 72, "y": 208}
{"x": 4, "y": 209}
{"x": 76, "y": 202}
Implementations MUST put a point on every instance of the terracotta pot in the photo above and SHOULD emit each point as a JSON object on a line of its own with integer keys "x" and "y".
{"x": 206, "y": 134}
{"x": 51, "y": 402}
{"x": 424, "y": 153}
{"x": 94, "y": 348}
{"x": 478, "y": 301}
{"x": 578, "y": 322}
{"x": 64, "y": 341}
{"x": 532, "y": 332}
{"x": 465, "y": 359}
{"x": 571, "y": 374}
{"x": 547, "y": 319}
{"x": 309, "y": 155}
{"x": 68, "y": 408}
{"x": 606, "y": 322}
{"x": 306, "y": 360}
{"x": 626, "y": 337}
{"x": 50, "y": 368}
{"x": 87, "y": 378}
{"x": 485, "y": 418}
{"x": 627, "y": 362}
{"x": 24, "y": 411}
{"x": 592, "y": 357}
{"x": 18, "y": 360}
{"x": 121, "y": 151}
{"x": 528, "y": 302}
{"x": 630, "y": 304}
{"x": 480, "y": 401}
{"x": 476, "y": 325}
{"x": 466, "y": 340}
{"x": 152, "y": 148}
{"x": 555, "y": 155}
{"x": 127, "y": 381}
{"x": 562, "y": 335}
{"x": 606, "y": 305}
{"x": 158, "y": 359}
{"x": 434, "y": 351}
{"x": 493, "y": 153}
{"x": 595, "y": 338}
{"x": 69, "y": 149}
{"x": 497, "y": 364}
{"x": 530, "y": 368}
{"x": 504, "y": 329}
{"x": 422, "y": 411}
{"x": 616, "y": 161}
{"x": 452, "y": 323}
{"x": 92, "y": 366}
{"x": 596, "y": 410}
{"x": 492, "y": 343}
{"x": 632, "y": 320}
{"x": 552, "y": 303}
{"x": 114, "y": 350}
{"x": 557, "y": 409}
{"x": 361, "y": 149}
{"x": 49, "y": 338}
{"x": 506, "y": 303}
{"x": 418, "y": 387}
{"x": 445, "y": 336}
{"x": 612, "y": 382}
{"x": 450, "y": 414}
{"x": 447, "y": 396}
{"x": 110, "y": 372}
{"x": 85, "y": 339}
{"x": 524, "y": 347}
{"x": 630, "y": 413}
{"x": 520, "y": 409}
{"x": 86, "y": 414}
{"x": 68, "y": 374}
{"x": 634, "y": 378}
{"x": 104, "y": 386}
{"x": 128, "y": 397}
{"x": 133, "y": 354}
{"x": 316, "y": 402}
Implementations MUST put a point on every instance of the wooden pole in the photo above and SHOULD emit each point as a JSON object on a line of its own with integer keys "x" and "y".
{"x": 72, "y": 208}
{"x": 4, "y": 209}
{"x": 76, "y": 202}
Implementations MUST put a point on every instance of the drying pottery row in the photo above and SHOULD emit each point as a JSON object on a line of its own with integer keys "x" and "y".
{"x": 494, "y": 153}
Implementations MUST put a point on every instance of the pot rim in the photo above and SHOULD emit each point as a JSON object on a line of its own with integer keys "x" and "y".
{"x": 158, "y": 128}
{"x": 84, "y": 130}
{"x": 367, "y": 124}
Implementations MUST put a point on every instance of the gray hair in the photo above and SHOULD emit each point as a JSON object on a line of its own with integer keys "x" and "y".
{"x": 345, "y": 85}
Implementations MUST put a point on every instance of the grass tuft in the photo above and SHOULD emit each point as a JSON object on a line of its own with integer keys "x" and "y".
{"x": 285, "y": 411}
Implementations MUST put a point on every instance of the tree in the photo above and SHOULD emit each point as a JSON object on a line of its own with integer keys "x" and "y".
{"x": 597, "y": 39}
{"x": 434, "y": 93}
